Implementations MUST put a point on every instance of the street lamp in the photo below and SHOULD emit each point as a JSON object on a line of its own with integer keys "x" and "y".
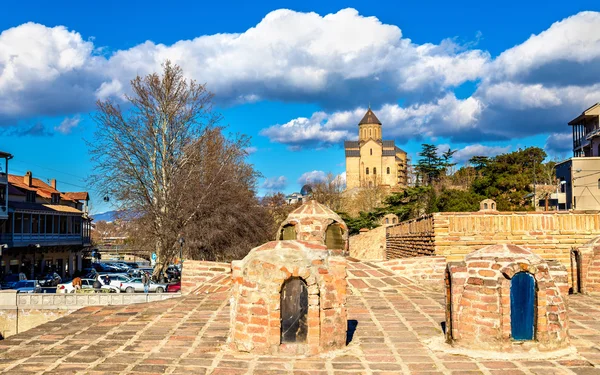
{"x": 181, "y": 242}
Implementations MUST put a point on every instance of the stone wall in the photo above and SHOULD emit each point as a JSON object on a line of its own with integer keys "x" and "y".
{"x": 197, "y": 272}
{"x": 453, "y": 235}
{"x": 368, "y": 245}
{"x": 20, "y": 312}
{"x": 423, "y": 270}
{"x": 411, "y": 238}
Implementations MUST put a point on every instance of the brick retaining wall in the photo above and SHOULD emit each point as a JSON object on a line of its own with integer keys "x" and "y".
{"x": 197, "y": 272}
{"x": 411, "y": 238}
{"x": 455, "y": 234}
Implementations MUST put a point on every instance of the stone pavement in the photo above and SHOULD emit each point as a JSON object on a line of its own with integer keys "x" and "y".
{"x": 391, "y": 319}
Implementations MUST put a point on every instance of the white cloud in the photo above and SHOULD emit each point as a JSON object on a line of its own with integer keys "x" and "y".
{"x": 250, "y": 150}
{"x": 444, "y": 117}
{"x": 274, "y": 183}
{"x": 68, "y": 124}
{"x": 312, "y": 177}
{"x": 464, "y": 154}
{"x": 336, "y": 59}
{"x": 559, "y": 143}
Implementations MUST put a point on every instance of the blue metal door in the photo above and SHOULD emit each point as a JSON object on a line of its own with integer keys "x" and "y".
{"x": 522, "y": 299}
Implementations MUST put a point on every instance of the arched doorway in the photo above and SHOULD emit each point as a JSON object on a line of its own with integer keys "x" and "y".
{"x": 294, "y": 309}
{"x": 522, "y": 306}
{"x": 334, "y": 237}
{"x": 288, "y": 232}
{"x": 577, "y": 283}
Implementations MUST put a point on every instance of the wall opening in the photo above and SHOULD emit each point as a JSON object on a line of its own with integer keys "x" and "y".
{"x": 485, "y": 206}
{"x": 294, "y": 310}
{"x": 577, "y": 286}
{"x": 522, "y": 306}
{"x": 334, "y": 237}
{"x": 288, "y": 232}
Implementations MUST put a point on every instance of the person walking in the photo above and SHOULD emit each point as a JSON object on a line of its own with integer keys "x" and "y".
{"x": 146, "y": 282}
{"x": 77, "y": 283}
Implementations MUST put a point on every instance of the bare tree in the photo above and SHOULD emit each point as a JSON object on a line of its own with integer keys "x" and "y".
{"x": 147, "y": 157}
{"x": 330, "y": 192}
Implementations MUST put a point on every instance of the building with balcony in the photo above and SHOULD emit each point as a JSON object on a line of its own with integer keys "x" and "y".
{"x": 580, "y": 176}
{"x": 44, "y": 229}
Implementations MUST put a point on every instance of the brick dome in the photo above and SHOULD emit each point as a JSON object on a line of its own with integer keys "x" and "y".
{"x": 315, "y": 222}
{"x": 506, "y": 298}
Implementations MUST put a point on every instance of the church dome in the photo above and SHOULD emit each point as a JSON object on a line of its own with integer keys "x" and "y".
{"x": 306, "y": 190}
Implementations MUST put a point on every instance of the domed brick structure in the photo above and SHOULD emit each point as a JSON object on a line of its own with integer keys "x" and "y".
{"x": 288, "y": 297}
{"x": 505, "y": 298}
{"x": 315, "y": 222}
{"x": 585, "y": 268}
{"x": 488, "y": 205}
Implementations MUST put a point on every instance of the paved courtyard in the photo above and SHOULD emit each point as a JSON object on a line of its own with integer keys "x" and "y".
{"x": 392, "y": 320}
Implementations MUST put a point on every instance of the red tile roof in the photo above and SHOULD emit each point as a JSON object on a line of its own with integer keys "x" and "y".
{"x": 76, "y": 196}
{"x": 43, "y": 189}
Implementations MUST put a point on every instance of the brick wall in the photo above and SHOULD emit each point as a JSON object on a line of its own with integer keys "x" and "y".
{"x": 411, "y": 238}
{"x": 197, "y": 272}
{"x": 551, "y": 235}
{"x": 423, "y": 270}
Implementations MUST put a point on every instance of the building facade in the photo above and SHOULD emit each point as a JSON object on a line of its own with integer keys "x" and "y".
{"x": 43, "y": 230}
{"x": 372, "y": 161}
{"x": 579, "y": 177}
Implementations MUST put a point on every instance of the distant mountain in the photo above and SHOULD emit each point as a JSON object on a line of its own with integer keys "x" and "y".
{"x": 108, "y": 216}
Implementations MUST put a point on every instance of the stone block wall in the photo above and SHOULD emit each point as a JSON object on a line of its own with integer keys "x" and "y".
{"x": 197, "y": 272}
{"x": 423, "y": 270}
{"x": 411, "y": 238}
{"x": 453, "y": 235}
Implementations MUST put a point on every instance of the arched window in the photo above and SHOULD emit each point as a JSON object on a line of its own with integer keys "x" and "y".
{"x": 374, "y": 170}
{"x": 370, "y": 132}
{"x": 485, "y": 206}
{"x": 371, "y": 151}
{"x": 288, "y": 232}
{"x": 367, "y": 171}
{"x": 387, "y": 220}
{"x": 388, "y": 170}
{"x": 393, "y": 220}
{"x": 334, "y": 237}
{"x": 493, "y": 206}
{"x": 294, "y": 310}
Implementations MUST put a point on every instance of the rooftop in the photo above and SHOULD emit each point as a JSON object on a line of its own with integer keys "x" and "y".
{"x": 392, "y": 323}
{"x": 369, "y": 118}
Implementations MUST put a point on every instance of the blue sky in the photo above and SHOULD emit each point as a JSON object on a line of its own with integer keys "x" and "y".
{"x": 297, "y": 76}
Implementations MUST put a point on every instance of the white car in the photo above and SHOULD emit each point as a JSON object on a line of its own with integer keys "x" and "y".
{"x": 85, "y": 284}
{"x": 116, "y": 279}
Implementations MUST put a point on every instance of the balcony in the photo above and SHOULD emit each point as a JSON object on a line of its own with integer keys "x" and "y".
{"x": 43, "y": 239}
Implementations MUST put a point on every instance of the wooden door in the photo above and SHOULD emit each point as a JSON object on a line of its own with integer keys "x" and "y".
{"x": 294, "y": 309}
{"x": 522, "y": 306}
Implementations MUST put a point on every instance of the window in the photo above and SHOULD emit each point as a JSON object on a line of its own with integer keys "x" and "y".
{"x": 370, "y": 133}
{"x": 485, "y": 206}
{"x": 30, "y": 196}
{"x": 388, "y": 170}
{"x": 393, "y": 220}
{"x": 334, "y": 237}
{"x": 374, "y": 170}
{"x": 367, "y": 172}
{"x": 371, "y": 151}
{"x": 288, "y": 232}
{"x": 55, "y": 198}
{"x": 599, "y": 183}
{"x": 387, "y": 220}
{"x": 18, "y": 222}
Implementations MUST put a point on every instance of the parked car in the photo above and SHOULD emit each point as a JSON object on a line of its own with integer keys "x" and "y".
{"x": 174, "y": 288}
{"x": 115, "y": 279}
{"x": 9, "y": 281}
{"x": 138, "y": 271}
{"x": 51, "y": 279}
{"x": 85, "y": 284}
{"x": 135, "y": 285}
{"x": 27, "y": 286}
{"x": 132, "y": 264}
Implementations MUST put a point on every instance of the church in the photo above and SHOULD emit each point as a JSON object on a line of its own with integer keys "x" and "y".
{"x": 371, "y": 161}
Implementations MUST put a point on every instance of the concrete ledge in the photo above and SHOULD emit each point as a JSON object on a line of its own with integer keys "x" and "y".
{"x": 76, "y": 301}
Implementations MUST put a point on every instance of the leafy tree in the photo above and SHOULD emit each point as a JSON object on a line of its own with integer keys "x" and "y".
{"x": 454, "y": 200}
{"x": 479, "y": 162}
